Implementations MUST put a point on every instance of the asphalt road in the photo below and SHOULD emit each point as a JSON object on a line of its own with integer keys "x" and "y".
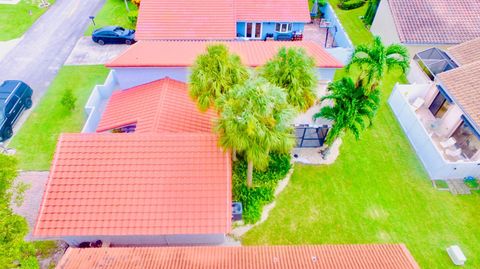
{"x": 46, "y": 45}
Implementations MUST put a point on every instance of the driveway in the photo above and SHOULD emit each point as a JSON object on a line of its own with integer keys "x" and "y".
{"x": 32, "y": 197}
{"x": 46, "y": 45}
{"x": 87, "y": 52}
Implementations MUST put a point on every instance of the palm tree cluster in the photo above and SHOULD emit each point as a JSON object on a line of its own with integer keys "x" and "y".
{"x": 214, "y": 74}
{"x": 355, "y": 103}
{"x": 354, "y": 108}
{"x": 293, "y": 70}
{"x": 255, "y": 111}
{"x": 255, "y": 120}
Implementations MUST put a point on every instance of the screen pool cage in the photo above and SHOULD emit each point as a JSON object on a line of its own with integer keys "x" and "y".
{"x": 308, "y": 136}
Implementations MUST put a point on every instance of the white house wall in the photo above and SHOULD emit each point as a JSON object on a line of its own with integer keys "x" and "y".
{"x": 383, "y": 25}
{"x": 144, "y": 240}
{"x": 133, "y": 76}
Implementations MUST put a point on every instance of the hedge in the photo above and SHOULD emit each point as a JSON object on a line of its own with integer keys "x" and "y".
{"x": 264, "y": 183}
{"x": 351, "y": 4}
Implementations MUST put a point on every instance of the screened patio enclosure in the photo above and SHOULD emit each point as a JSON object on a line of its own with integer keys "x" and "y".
{"x": 310, "y": 136}
{"x": 434, "y": 61}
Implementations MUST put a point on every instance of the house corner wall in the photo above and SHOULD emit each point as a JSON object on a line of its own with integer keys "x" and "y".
{"x": 383, "y": 24}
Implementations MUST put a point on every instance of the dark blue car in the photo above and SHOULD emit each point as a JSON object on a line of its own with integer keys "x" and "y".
{"x": 113, "y": 35}
{"x": 15, "y": 97}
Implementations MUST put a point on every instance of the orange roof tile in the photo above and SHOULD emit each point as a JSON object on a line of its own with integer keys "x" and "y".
{"x": 136, "y": 184}
{"x": 211, "y": 19}
{"x": 383, "y": 256}
{"x": 160, "y": 106}
{"x": 184, "y": 53}
{"x": 183, "y": 19}
{"x": 272, "y": 10}
{"x": 467, "y": 52}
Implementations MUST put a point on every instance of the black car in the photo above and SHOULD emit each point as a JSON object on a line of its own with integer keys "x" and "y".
{"x": 113, "y": 35}
{"x": 15, "y": 97}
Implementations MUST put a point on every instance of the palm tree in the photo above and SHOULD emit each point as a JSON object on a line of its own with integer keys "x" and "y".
{"x": 214, "y": 74}
{"x": 255, "y": 120}
{"x": 353, "y": 110}
{"x": 293, "y": 70}
{"x": 375, "y": 59}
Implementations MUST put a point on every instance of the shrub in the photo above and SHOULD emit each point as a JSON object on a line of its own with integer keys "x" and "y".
{"x": 68, "y": 100}
{"x": 351, "y": 4}
{"x": 264, "y": 183}
{"x": 133, "y": 16}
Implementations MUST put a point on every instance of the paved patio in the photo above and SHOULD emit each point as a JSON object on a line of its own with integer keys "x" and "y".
{"x": 313, "y": 32}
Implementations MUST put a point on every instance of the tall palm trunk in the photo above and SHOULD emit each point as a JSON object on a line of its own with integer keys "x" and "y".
{"x": 250, "y": 174}
{"x": 126, "y": 5}
{"x": 234, "y": 155}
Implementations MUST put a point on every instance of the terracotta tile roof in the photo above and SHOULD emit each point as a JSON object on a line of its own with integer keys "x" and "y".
{"x": 272, "y": 10}
{"x": 136, "y": 184}
{"x": 184, "y": 53}
{"x": 184, "y": 19}
{"x": 463, "y": 84}
{"x": 263, "y": 257}
{"x": 436, "y": 21}
{"x": 467, "y": 52}
{"x": 211, "y": 19}
{"x": 160, "y": 106}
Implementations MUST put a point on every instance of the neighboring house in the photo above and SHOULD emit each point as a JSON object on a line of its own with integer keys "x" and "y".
{"x": 421, "y": 24}
{"x": 220, "y": 19}
{"x": 153, "y": 175}
{"x": 263, "y": 257}
{"x": 151, "y": 60}
{"x": 440, "y": 110}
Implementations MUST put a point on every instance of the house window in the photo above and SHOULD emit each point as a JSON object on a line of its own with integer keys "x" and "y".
{"x": 283, "y": 27}
{"x": 467, "y": 139}
{"x": 440, "y": 104}
{"x": 253, "y": 30}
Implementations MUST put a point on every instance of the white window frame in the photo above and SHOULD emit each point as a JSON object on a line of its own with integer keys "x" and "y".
{"x": 289, "y": 27}
{"x": 253, "y": 29}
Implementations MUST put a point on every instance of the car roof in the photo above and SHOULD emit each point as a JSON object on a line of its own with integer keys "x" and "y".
{"x": 6, "y": 88}
{"x": 107, "y": 28}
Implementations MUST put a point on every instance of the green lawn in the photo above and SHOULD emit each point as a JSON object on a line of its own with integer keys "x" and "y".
{"x": 376, "y": 192}
{"x": 113, "y": 12}
{"x": 35, "y": 142}
{"x": 16, "y": 19}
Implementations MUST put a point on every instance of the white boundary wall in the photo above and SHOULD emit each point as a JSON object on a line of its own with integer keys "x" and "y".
{"x": 431, "y": 157}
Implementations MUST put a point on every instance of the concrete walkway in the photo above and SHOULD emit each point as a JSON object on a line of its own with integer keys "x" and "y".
{"x": 87, "y": 52}
{"x": 32, "y": 197}
{"x": 46, "y": 45}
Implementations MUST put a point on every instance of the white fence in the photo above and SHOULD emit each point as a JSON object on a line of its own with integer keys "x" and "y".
{"x": 433, "y": 161}
{"x": 97, "y": 101}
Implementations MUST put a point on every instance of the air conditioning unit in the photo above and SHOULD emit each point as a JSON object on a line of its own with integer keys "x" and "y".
{"x": 456, "y": 255}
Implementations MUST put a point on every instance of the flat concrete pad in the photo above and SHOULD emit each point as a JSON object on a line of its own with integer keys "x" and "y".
{"x": 32, "y": 197}
{"x": 87, "y": 52}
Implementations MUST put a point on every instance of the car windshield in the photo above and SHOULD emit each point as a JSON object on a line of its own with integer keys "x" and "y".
{"x": 119, "y": 31}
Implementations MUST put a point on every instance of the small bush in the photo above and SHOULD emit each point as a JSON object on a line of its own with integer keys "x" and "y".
{"x": 133, "y": 16}
{"x": 264, "y": 184}
{"x": 472, "y": 183}
{"x": 351, "y": 4}
{"x": 69, "y": 101}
